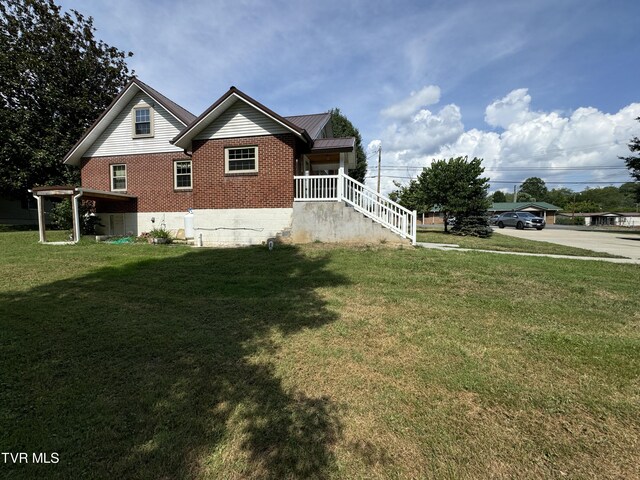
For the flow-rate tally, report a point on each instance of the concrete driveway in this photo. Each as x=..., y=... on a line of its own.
x=627, y=245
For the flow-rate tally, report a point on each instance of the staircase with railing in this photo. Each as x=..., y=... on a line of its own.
x=342, y=188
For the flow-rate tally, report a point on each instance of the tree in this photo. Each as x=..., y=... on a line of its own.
x=535, y=187
x=560, y=196
x=582, y=207
x=458, y=189
x=410, y=196
x=55, y=79
x=499, y=196
x=342, y=127
x=525, y=197
x=633, y=161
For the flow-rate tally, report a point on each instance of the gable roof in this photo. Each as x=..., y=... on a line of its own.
x=181, y=113
x=515, y=206
x=183, y=139
x=313, y=123
x=124, y=96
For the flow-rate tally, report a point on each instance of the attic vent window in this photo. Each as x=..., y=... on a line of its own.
x=143, y=122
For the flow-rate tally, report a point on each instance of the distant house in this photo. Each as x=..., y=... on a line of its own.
x=246, y=173
x=619, y=219
x=22, y=212
x=541, y=209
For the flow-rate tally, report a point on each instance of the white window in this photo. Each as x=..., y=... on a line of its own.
x=182, y=174
x=241, y=159
x=142, y=121
x=118, y=177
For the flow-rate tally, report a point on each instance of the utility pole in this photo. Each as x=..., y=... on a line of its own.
x=379, y=161
x=515, y=193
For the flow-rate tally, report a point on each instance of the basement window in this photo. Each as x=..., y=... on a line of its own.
x=241, y=160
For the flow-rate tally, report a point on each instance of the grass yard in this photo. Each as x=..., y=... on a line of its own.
x=140, y=361
x=507, y=244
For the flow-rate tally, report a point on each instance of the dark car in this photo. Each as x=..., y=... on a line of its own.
x=520, y=220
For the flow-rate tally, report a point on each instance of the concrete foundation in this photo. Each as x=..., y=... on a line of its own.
x=335, y=222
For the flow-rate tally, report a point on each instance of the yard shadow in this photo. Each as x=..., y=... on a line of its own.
x=164, y=369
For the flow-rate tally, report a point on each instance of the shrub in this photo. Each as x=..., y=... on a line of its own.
x=62, y=217
x=569, y=220
x=473, y=225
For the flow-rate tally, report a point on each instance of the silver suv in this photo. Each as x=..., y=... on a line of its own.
x=520, y=220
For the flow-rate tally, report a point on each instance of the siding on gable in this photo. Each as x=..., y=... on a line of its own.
x=117, y=137
x=241, y=120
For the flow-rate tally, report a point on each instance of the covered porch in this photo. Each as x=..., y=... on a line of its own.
x=76, y=195
x=318, y=170
x=322, y=176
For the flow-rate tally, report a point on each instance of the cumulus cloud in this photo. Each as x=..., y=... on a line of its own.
x=428, y=95
x=556, y=147
x=513, y=108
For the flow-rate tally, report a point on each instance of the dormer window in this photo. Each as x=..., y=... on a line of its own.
x=142, y=117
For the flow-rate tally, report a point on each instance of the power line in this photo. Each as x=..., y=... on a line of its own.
x=519, y=181
x=508, y=169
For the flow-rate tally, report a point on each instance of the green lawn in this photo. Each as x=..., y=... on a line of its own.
x=507, y=244
x=164, y=362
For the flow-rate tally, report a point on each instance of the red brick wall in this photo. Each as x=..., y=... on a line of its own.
x=271, y=187
x=149, y=177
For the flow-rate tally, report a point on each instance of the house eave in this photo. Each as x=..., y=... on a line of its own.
x=108, y=115
x=184, y=138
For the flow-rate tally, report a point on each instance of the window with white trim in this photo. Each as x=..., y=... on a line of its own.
x=241, y=159
x=142, y=121
x=182, y=174
x=118, y=177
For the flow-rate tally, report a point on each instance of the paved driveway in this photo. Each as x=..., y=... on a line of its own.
x=627, y=245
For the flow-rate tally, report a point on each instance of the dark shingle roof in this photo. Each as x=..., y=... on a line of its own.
x=313, y=123
x=182, y=113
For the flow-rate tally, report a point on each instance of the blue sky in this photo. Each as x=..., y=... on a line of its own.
x=531, y=86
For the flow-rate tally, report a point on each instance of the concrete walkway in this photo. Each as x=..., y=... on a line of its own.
x=624, y=245
x=449, y=248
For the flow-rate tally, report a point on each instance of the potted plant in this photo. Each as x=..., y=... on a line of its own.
x=159, y=235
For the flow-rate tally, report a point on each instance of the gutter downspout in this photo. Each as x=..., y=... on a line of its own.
x=76, y=215
x=41, y=221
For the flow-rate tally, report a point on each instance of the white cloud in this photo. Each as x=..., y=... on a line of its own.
x=428, y=95
x=514, y=108
x=541, y=144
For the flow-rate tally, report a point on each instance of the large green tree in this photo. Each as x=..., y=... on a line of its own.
x=342, y=127
x=536, y=188
x=458, y=188
x=55, y=80
x=633, y=161
x=499, y=196
x=410, y=196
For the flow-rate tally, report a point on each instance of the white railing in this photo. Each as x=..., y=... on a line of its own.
x=342, y=188
x=317, y=188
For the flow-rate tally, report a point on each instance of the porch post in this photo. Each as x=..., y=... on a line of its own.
x=341, y=178
x=41, y=219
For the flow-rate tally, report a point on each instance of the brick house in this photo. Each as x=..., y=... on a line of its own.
x=246, y=173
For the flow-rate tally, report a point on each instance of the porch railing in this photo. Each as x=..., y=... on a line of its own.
x=342, y=188
x=317, y=188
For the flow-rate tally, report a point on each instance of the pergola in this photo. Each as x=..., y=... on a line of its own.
x=75, y=194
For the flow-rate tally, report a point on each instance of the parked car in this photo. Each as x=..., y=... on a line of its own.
x=493, y=219
x=520, y=220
